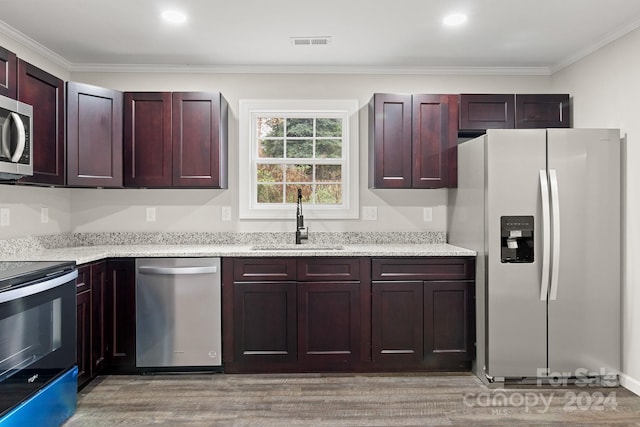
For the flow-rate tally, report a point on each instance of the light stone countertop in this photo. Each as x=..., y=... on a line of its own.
x=86, y=254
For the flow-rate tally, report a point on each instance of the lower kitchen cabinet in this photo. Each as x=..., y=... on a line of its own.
x=264, y=322
x=91, y=339
x=292, y=314
x=348, y=314
x=120, y=315
x=426, y=323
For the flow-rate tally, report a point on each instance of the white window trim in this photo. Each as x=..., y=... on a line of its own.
x=249, y=108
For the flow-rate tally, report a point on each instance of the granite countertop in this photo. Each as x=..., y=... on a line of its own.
x=83, y=250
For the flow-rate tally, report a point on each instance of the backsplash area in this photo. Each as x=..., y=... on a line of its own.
x=20, y=245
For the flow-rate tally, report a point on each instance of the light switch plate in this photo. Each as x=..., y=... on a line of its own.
x=5, y=217
x=225, y=213
x=369, y=213
x=44, y=215
x=427, y=214
x=151, y=214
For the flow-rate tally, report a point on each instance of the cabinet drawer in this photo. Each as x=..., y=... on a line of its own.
x=83, y=283
x=436, y=268
x=323, y=269
x=264, y=269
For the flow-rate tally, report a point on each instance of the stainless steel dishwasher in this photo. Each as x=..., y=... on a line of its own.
x=178, y=312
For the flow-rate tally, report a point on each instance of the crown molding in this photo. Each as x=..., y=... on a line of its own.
x=34, y=46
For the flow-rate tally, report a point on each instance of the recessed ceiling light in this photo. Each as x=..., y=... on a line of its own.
x=454, y=19
x=174, y=16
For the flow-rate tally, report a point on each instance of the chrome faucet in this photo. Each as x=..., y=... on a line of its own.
x=302, y=232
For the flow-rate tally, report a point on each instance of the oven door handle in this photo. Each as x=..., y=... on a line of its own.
x=25, y=291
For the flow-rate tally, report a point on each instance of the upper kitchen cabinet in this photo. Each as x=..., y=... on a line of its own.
x=175, y=139
x=413, y=141
x=8, y=73
x=542, y=111
x=94, y=136
x=479, y=112
x=45, y=93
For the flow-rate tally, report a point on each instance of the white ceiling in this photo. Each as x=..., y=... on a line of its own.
x=527, y=36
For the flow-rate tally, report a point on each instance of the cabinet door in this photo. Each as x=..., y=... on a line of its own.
x=147, y=139
x=328, y=325
x=8, y=73
x=120, y=315
x=397, y=324
x=479, y=112
x=94, y=136
x=448, y=324
x=199, y=140
x=83, y=330
x=542, y=111
x=435, y=141
x=46, y=94
x=98, y=324
x=264, y=325
x=390, y=141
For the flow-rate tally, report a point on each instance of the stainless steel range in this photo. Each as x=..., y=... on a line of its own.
x=38, y=377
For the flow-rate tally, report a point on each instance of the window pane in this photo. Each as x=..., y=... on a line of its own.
x=270, y=173
x=329, y=127
x=300, y=128
x=270, y=149
x=292, y=193
x=326, y=173
x=329, y=194
x=329, y=148
x=269, y=127
x=270, y=193
x=299, y=173
x=300, y=148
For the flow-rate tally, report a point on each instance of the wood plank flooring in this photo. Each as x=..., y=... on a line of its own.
x=344, y=400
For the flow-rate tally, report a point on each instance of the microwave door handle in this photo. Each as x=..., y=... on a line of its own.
x=6, y=138
x=555, y=213
x=21, y=137
x=546, y=235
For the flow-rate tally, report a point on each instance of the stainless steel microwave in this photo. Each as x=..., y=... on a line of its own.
x=16, y=144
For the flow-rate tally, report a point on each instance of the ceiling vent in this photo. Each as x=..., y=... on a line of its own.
x=311, y=41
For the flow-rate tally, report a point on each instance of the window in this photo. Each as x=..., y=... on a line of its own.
x=286, y=145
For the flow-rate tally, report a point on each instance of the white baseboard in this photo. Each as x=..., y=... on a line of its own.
x=631, y=384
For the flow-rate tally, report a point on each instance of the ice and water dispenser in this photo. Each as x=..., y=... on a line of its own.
x=516, y=239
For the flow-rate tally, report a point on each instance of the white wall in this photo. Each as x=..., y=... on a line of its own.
x=606, y=89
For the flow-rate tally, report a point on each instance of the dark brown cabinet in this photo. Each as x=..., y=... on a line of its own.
x=91, y=343
x=83, y=325
x=120, y=316
x=479, y=112
x=8, y=73
x=175, y=139
x=413, y=141
x=94, y=136
x=45, y=93
x=292, y=314
x=423, y=313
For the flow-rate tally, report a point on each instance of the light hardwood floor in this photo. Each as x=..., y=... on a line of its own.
x=344, y=400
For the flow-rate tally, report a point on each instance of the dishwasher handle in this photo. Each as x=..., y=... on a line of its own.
x=174, y=271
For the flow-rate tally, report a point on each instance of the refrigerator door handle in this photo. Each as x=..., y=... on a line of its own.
x=546, y=235
x=555, y=212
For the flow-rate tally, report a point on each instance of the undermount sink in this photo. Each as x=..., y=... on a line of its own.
x=295, y=248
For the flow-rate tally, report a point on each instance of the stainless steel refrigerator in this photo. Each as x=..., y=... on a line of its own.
x=542, y=208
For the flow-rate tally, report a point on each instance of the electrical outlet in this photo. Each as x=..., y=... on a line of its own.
x=5, y=217
x=44, y=215
x=369, y=213
x=151, y=214
x=427, y=214
x=225, y=213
